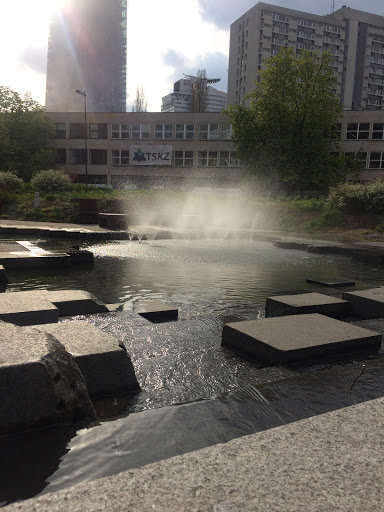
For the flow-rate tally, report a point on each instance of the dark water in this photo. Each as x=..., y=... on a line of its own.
x=194, y=393
x=206, y=276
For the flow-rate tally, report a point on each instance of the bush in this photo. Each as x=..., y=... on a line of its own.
x=358, y=197
x=51, y=182
x=329, y=218
x=35, y=214
x=9, y=182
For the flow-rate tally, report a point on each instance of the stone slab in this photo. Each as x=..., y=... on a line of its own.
x=106, y=367
x=114, y=221
x=76, y=302
x=367, y=303
x=156, y=311
x=42, y=306
x=28, y=260
x=3, y=279
x=331, y=462
x=27, y=308
x=305, y=303
x=296, y=337
x=81, y=256
x=331, y=283
x=40, y=383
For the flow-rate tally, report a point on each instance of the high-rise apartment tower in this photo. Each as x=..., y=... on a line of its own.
x=87, y=51
x=354, y=38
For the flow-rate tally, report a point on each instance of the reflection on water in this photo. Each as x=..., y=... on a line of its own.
x=211, y=282
x=210, y=276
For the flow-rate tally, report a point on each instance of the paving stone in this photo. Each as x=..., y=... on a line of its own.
x=296, y=337
x=367, y=303
x=27, y=308
x=323, y=463
x=40, y=383
x=331, y=283
x=305, y=303
x=76, y=302
x=156, y=311
x=106, y=367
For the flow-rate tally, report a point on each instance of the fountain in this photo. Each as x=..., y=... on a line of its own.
x=194, y=392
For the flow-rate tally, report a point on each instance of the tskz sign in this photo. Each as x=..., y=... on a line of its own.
x=150, y=155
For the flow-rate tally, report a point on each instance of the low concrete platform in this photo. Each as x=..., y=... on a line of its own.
x=43, y=306
x=293, y=338
x=40, y=383
x=157, y=311
x=331, y=283
x=367, y=303
x=114, y=221
x=3, y=279
x=305, y=303
x=76, y=302
x=27, y=308
x=106, y=367
x=333, y=462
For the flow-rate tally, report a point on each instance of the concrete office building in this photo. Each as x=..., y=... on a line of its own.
x=146, y=149
x=354, y=38
x=87, y=52
x=181, y=150
x=180, y=99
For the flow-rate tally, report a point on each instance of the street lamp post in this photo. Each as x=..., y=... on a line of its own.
x=83, y=93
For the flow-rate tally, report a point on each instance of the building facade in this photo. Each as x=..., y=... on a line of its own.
x=354, y=38
x=180, y=99
x=182, y=150
x=146, y=150
x=87, y=52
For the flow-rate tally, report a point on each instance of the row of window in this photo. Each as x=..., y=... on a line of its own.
x=374, y=160
x=365, y=131
x=302, y=21
x=121, y=157
x=211, y=131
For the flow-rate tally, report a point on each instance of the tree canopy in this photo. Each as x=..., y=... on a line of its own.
x=140, y=104
x=199, y=92
x=25, y=130
x=285, y=135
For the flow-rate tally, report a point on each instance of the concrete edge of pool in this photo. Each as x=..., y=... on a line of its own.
x=327, y=462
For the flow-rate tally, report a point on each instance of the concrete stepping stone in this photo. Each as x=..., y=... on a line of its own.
x=296, y=337
x=27, y=308
x=42, y=306
x=106, y=367
x=331, y=283
x=76, y=302
x=40, y=383
x=3, y=279
x=367, y=303
x=156, y=311
x=305, y=303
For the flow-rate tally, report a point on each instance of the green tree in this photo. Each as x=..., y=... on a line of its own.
x=284, y=136
x=25, y=130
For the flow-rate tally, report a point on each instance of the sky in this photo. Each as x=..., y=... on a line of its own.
x=165, y=39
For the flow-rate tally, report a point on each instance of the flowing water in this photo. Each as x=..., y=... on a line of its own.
x=194, y=393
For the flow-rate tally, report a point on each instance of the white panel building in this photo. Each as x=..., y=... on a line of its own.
x=354, y=38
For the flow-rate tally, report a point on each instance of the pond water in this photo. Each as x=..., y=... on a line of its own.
x=208, y=276
x=194, y=393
